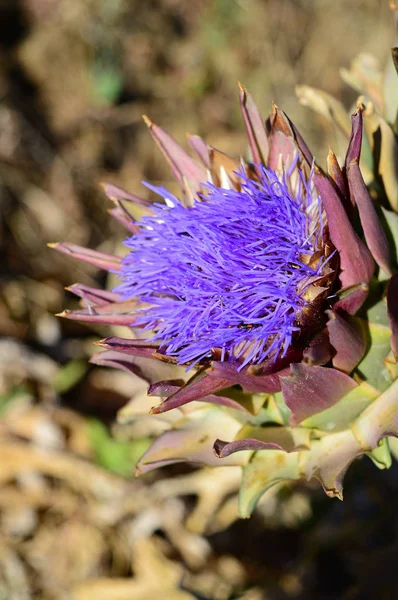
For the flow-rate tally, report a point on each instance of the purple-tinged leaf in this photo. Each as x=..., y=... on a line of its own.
x=302, y=146
x=115, y=313
x=146, y=367
x=392, y=307
x=162, y=389
x=374, y=234
x=281, y=141
x=318, y=351
x=255, y=127
x=275, y=367
x=90, y=316
x=224, y=449
x=355, y=143
x=182, y=165
x=167, y=388
x=128, y=345
x=149, y=371
x=124, y=307
x=141, y=347
x=285, y=142
x=309, y=390
x=133, y=347
x=199, y=386
x=116, y=193
x=250, y=383
x=127, y=222
x=338, y=178
x=224, y=401
x=201, y=148
x=91, y=295
x=109, y=358
x=109, y=262
x=351, y=299
x=356, y=262
x=347, y=337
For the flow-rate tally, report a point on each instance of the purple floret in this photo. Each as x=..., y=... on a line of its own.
x=224, y=273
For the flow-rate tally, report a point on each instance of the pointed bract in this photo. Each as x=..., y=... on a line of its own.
x=309, y=390
x=182, y=165
x=356, y=263
x=347, y=337
x=375, y=237
x=199, y=386
x=255, y=127
x=109, y=262
x=93, y=296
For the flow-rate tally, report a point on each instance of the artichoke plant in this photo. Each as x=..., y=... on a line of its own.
x=261, y=306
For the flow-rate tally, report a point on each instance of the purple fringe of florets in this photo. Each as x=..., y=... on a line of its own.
x=225, y=273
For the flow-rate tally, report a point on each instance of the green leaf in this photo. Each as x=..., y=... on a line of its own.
x=381, y=456
x=17, y=392
x=269, y=413
x=373, y=367
x=283, y=409
x=117, y=456
x=377, y=314
x=69, y=375
x=265, y=469
x=107, y=82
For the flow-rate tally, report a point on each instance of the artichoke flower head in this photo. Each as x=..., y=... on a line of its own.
x=251, y=288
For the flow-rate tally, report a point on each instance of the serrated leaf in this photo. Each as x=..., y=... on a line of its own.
x=265, y=469
x=192, y=441
x=381, y=456
x=329, y=459
x=379, y=420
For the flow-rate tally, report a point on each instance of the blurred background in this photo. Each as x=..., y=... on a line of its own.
x=75, y=78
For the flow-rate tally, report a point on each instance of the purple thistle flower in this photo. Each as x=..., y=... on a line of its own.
x=236, y=278
x=228, y=274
